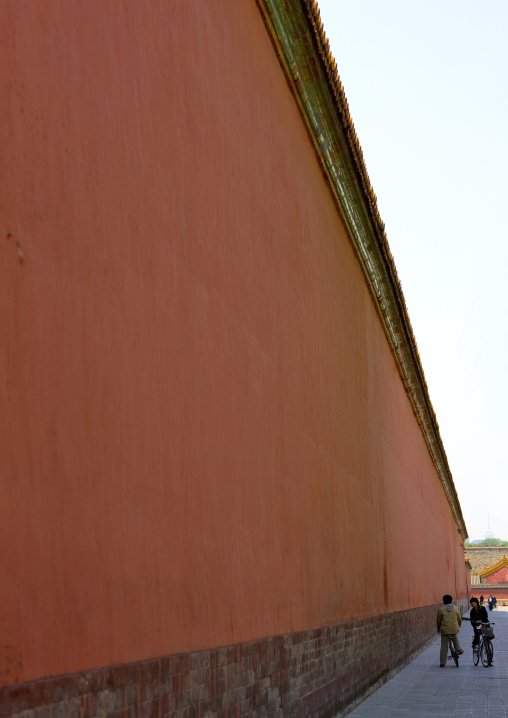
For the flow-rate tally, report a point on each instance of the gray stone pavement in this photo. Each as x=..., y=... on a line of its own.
x=423, y=689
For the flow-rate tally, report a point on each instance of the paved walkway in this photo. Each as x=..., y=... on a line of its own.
x=424, y=690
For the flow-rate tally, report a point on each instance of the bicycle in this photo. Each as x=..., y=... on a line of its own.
x=484, y=649
x=454, y=654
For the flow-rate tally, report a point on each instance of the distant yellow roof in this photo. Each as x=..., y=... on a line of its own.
x=488, y=570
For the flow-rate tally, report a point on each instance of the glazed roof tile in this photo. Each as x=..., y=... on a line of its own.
x=300, y=41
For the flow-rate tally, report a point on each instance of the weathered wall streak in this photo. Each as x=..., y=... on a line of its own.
x=204, y=437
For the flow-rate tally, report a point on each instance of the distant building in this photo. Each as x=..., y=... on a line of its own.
x=489, y=533
x=489, y=567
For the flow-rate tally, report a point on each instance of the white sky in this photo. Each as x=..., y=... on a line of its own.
x=427, y=87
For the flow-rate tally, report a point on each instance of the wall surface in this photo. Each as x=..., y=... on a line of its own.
x=500, y=576
x=321, y=672
x=204, y=438
x=500, y=591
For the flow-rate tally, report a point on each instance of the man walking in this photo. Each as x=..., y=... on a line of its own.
x=448, y=622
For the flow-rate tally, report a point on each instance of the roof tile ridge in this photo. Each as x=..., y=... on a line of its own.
x=311, y=9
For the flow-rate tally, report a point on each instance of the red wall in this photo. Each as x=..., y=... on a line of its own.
x=204, y=437
x=499, y=593
x=500, y=576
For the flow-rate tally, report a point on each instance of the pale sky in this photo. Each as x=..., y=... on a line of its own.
x=427, y=85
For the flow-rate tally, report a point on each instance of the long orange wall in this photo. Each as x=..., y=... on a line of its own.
x=203, y=435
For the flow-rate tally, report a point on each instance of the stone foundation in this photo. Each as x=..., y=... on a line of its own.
x=321, y=673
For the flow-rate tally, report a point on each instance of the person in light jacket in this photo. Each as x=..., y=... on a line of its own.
x=448, y=622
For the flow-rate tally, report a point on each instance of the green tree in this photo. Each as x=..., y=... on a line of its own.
x=487, y=542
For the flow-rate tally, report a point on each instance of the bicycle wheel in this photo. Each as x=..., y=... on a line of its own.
x=455, y=657
x=487, y=652
x=476, y=655
x=490, y=650
x=453, y=652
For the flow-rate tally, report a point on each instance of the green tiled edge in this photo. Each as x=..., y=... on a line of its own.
x=299, y=41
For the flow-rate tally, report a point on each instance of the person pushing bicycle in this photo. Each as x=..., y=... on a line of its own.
x=477, y=614
x=448, y=622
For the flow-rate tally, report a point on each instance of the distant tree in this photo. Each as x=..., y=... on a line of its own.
x=486, y=542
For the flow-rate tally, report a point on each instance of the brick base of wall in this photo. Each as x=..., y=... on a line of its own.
x=319, y=673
